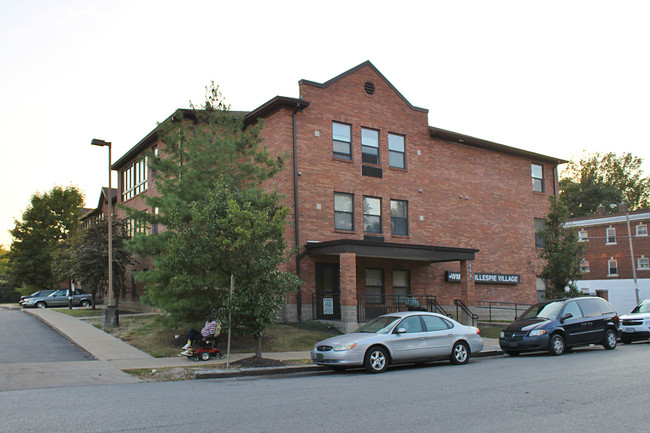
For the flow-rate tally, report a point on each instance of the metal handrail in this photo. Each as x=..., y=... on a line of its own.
x=460, y=304
x=437, y=308
x=498, y=305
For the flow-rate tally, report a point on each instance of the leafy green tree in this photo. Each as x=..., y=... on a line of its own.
x=50, y=218
x=562, y=253
x=230, y=232
x=84, y=258
x=601, y=179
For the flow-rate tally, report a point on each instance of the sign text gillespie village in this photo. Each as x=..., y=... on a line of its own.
x=454, y=277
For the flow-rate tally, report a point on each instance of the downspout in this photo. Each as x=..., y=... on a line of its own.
x=295, y=212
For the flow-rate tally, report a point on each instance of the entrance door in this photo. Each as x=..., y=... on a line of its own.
x=328, y=291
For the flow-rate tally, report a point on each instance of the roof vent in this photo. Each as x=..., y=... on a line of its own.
x=369, y=87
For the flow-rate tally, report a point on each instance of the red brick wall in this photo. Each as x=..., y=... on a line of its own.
x=598, y=252
x=497, y=217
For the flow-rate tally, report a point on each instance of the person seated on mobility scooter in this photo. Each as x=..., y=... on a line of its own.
x=208, y=334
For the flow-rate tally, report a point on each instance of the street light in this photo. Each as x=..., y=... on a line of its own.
x=623, y=207
x=110, y=318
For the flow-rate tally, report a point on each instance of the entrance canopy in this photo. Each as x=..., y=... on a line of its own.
x=390, y=250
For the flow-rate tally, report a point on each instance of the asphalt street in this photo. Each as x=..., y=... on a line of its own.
x=586, y=390
x=25, y=339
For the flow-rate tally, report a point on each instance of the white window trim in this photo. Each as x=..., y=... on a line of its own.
x=585, y=263
x=583, y=236
x=607, y=242
x=609, y=267
x=638, y=264
x=642, y=234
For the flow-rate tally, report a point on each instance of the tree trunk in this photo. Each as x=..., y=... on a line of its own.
x=258, y=346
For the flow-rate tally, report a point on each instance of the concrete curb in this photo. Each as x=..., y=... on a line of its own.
x=312, y=368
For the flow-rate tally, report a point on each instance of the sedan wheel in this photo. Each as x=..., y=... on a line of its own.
x=41, y=304
x=556, y=345
x=376, y=360
x=85, y=303
x=459, y=354
x=610, y=340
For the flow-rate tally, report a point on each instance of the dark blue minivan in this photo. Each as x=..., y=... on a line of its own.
x=559, y=324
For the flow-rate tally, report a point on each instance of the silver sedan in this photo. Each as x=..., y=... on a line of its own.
x=399, y=338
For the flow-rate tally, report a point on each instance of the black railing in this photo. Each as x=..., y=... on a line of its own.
x=435, y=307
x=465, y=309
x=372, y=306
x=502, y=311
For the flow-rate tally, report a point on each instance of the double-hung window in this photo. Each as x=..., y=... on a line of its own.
x=539, y=226
x=611, y=235
x=372, y=214
x=612, y=267
x=343, y=211
x=401, y=289
x=641, y=230
x=537, y=173
x=396, y=151
x=399, y=213
x=341, y=140
x=369, y=146
x=643, y=263
x=374, y=286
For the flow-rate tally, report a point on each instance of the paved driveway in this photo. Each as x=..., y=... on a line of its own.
x=25, y=339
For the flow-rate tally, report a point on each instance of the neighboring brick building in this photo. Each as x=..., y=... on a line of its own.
x=91, y=216
x=386, y=206
x=607, y=261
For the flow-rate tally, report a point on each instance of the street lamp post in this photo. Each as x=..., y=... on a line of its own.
x=110, y=317
x=623, y=207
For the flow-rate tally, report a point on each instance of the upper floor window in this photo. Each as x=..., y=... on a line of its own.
x=372, y=215
x=537, y=172
x=611, y=235
x=399, y=213
x=583, y=236
x=341, y=140
x=135, y=179
x=343, y=211
x=642, y=263
x=369, y=146
x=396, y=151
x=641, y=230
x=612, y=267
x=539, y=226
x=584, y=266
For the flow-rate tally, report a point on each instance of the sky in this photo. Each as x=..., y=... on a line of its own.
x=552, y=77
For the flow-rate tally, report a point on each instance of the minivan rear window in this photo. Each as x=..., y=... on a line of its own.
x=595, y=307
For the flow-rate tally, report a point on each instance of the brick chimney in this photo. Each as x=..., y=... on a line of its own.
x=600, y=210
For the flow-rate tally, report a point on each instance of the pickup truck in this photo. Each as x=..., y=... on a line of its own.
x=59, y=298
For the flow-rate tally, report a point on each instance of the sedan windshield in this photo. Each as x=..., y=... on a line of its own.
x=543, y=311
x=643, y=307
x=381, y=325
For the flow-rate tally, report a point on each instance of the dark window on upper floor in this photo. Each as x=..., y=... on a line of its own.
x=341, y=140
x=539, y=226
x=396, y=151
x=370, y=146
x=537, y=173
x=372, y=214
x=399, y=217
x=343, y=211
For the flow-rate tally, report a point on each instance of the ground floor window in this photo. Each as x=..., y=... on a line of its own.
x=401, y=285
x=374, y=286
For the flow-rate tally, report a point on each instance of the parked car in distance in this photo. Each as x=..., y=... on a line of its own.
x=399, y=338
x=559, y=324
x=35, y=294
x=59, y=298
x=636, y=325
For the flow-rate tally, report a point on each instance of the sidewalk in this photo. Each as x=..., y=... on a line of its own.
x=105, y=347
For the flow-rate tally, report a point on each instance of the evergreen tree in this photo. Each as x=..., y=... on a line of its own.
x=562, y=253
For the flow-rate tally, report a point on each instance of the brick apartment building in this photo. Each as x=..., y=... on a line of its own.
x=607, y=260
x=386, y=206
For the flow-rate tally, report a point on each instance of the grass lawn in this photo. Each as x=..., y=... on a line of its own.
x=86, y=312
x=152, y=335
x=491, y=331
